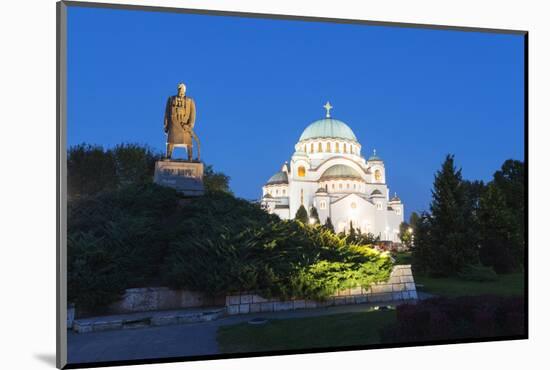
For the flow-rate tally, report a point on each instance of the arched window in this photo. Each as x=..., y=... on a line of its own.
x=333, y=186
x=328, y=148
x=345, y=148
x=320, y=148
x=337, y=148
x=377, y=175
x=340, y=186
x=311, y=148
x=347, y=185
x=301, y=171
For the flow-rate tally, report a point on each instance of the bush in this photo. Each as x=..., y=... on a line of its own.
x=478, y=273
x=457, y=318
x=145, y=235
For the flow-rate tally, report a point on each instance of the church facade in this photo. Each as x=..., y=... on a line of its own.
x=328, y=172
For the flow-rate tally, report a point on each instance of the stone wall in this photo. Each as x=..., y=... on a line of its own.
x=162, y=298
x=399, y=287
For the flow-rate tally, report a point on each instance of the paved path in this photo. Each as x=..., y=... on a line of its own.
x=172, y=341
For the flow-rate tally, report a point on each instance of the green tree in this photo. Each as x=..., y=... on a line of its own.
x=413, y=219
x=215, y=181
x=328, y=225
x=453, y=246
x=135, y=164
x=352, y=235
x=422, y=253
x=501, y=245
x=510, y=179
x=314, y=215
x=301, y=215
x=90, y=170
x=405, y=235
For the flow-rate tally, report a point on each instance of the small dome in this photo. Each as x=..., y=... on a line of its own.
x=321, y=190
x=328, y=128
x=374, y=157
x=376, y=192
x=268, y=196
x=340, y=171
x=395, y=199
x=278, y=178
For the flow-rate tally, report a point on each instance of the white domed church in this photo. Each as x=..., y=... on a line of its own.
x=328, y=172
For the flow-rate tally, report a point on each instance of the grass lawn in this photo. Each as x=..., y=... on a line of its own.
x=346, y=329
x=506, y=285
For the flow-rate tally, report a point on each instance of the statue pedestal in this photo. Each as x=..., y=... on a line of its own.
x=185, y=177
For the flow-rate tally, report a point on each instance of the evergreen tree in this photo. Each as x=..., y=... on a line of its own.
x=328, y=224
x=413, y=219
x=352, y=236
x=301, y=215
x=422, y=253
x=314, y=215
x=510, y=179
x=501, y=245
x=453, y=246
x=405, y=235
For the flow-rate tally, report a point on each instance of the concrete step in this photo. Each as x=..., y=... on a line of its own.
x=145, y=319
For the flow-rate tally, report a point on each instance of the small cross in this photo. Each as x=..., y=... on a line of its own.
x=374, y=152
x=328, y=107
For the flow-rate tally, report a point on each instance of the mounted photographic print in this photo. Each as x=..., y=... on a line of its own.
x=236, y=185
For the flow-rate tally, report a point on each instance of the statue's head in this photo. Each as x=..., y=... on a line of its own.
x=181, y=89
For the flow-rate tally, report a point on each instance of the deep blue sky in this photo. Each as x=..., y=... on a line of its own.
x=413, y=94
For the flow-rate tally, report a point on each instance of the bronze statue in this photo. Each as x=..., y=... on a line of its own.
x=179, y=121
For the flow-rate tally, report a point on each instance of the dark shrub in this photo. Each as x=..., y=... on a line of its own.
x=457, y=318
x=478, y=273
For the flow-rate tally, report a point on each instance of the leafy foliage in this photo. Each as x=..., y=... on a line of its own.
x=143, y=235
x=92, y=169
x=215, y=181
x=501, y=242
x=328, y=225
x=301, y=215
x=451, y=244
x=472, y=222
x=314, y=215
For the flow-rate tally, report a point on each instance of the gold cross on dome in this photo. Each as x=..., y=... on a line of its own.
x=328, y=107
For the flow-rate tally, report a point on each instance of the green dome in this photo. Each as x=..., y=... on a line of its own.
x=328, y=127
x=340, y=171
x=278, y=178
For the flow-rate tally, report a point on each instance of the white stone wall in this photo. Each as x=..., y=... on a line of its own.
x=399, y=287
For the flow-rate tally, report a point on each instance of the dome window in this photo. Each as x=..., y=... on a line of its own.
x=301, y=171
x=377, y=175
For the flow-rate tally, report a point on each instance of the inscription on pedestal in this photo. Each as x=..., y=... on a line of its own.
x=185, y=177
